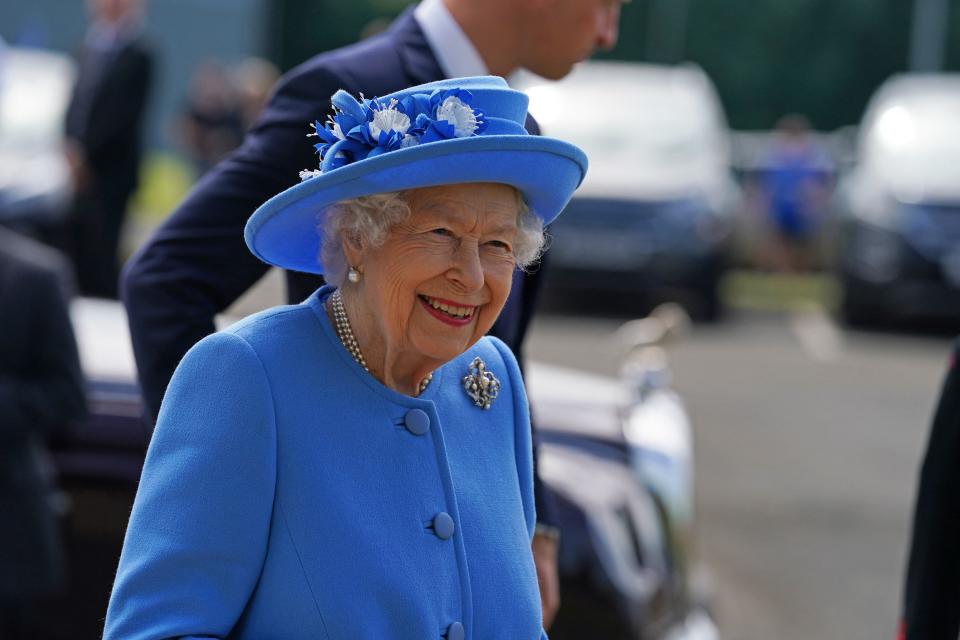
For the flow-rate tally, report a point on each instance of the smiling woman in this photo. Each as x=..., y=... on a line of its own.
x=433, y=255
x=343, y=468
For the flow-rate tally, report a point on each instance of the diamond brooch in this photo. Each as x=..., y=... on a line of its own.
x=481, y=385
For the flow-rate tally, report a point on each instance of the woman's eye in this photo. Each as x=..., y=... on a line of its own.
x=499, y=244
x=440, y=231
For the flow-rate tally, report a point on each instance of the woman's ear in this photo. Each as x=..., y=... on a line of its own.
x=352, y=249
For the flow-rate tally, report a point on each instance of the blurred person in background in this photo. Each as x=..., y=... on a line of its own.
x=196, y=264
x=794, y=186
x=254, y=78
x=41, y=389
x=932, y=585
x=103, y=145
x=212, y=122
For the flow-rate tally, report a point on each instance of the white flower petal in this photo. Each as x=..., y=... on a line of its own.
x=388, y=120
x=460, y=115
x=306, y=174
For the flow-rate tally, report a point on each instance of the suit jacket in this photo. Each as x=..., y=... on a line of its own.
x=106, y=110
x=196, y=265
x=932, y=590
x=288, y=494
x=41, y=388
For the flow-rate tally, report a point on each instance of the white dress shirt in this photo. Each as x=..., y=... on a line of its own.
x=454, y=51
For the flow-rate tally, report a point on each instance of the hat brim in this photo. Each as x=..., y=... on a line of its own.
x=286, y=230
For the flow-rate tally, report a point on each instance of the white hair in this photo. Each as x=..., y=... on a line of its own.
x=368, y=219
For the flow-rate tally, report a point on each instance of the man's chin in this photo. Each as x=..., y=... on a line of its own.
x=556, y=71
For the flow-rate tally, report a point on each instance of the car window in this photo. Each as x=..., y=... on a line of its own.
x=34, y=87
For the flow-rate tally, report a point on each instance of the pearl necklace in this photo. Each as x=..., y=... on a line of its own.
x=345, y=333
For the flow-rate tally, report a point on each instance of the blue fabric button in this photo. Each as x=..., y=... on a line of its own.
x=417, y=422
x=443, y=525
x=455, y=631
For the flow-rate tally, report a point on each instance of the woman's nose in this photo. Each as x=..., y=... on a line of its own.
x=467, y=270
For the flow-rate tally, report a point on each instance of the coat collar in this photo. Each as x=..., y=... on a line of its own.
x=416, y=56
x=316, y=302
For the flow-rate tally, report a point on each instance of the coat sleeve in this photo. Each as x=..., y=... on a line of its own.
x=45, y=398
x=198, y=532
x=196, y=264
x=522, y=438
x=932, y=588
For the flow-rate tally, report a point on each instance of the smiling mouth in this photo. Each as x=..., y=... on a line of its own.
x=449, y=309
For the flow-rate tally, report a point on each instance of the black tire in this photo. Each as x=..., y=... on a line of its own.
x=856, y=310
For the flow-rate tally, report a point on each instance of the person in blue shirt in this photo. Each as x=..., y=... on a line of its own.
x=796, y=181
x=359, y=465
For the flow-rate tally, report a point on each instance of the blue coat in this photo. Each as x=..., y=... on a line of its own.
x=288, y=494
x=197, y=263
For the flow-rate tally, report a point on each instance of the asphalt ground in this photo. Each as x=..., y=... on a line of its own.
x=808, y=440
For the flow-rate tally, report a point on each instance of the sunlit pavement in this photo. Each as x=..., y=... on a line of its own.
x=808, y=440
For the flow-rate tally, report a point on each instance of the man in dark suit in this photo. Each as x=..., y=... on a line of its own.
x=932, y=589
x=197, y=264
x=41, y=388
x=103, y=139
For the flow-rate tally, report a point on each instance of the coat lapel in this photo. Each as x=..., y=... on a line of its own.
x=416, y=56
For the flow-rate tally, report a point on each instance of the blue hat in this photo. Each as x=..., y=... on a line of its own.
x=447, y=132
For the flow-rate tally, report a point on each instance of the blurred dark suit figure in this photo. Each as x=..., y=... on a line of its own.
x=932, y=590
x=41, y=389
x=103, y=145
x=211, y=124
x=196, y=265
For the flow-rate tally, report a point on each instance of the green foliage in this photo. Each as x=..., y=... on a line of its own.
x=303, y=28
x=822, y=58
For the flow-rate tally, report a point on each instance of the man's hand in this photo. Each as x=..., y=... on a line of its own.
x=77, y=163
x=545, y=557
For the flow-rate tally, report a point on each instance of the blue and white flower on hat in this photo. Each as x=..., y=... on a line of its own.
x=360, y=129
x=388, y=124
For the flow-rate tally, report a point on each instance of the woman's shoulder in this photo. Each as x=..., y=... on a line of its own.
x=491, y=346
x=261, y=332
x=274, y=323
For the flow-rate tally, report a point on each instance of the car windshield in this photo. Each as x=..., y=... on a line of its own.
x=661, y=127
x=669, y=126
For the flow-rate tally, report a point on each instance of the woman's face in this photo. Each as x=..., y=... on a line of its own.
x=442, y=276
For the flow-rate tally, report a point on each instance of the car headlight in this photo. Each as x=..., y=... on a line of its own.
x=874, y=254
x=924, y=233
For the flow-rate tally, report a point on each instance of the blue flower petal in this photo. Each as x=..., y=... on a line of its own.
x=349, y=105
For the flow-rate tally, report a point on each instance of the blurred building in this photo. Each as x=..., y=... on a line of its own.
x=183, y=33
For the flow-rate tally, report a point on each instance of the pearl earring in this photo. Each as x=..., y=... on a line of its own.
x=353, y=275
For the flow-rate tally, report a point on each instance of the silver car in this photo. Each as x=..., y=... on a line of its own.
x=654, y=218
x=899, y=208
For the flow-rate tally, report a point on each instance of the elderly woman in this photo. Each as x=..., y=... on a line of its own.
x=359, y=465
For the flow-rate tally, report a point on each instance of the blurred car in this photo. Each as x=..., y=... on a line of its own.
x=617, y=454
x=35, y=186
x=654, y=217
x=898, y=235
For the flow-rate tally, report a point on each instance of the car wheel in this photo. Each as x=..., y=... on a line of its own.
x=856, y=310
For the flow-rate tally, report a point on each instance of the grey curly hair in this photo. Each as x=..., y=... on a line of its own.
x=370, y=218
